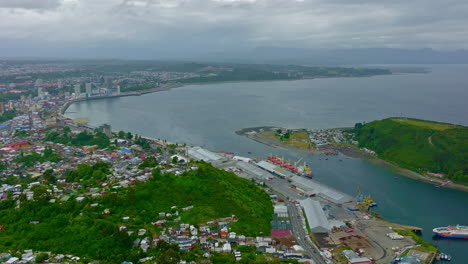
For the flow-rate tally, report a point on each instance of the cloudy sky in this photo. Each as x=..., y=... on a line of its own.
x=126, y=27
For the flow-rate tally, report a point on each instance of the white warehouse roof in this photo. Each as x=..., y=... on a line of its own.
x=316, y=218
x=322, y=190
x=199, y=153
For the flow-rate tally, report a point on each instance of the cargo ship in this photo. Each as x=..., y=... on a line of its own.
x=303, y=170
x=457, y=231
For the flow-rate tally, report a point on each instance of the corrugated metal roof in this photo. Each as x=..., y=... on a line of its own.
x=280, y=233
x=274, y=169
x=203, y=154
x=316, y=218
x=280, y=208
x=266, y=165
x=280, y=224
x=325, y=191
x=252, y=169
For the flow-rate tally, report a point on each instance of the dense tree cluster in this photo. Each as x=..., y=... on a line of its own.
x=82, y=139
x=148, y=162
x=31, y=158
x=124, y=135
x=142, y=142
x=7, y=115
x=88, y=175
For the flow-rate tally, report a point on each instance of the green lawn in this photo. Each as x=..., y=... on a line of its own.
x=425, y=123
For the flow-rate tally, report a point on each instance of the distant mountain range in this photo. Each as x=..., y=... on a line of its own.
x=277, y=55
x=269, y=55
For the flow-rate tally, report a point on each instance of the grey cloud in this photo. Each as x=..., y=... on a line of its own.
x=229, y=25
x=29, y=4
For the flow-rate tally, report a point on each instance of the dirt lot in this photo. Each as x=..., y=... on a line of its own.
x=357, y=240
x=369, y=236
x=323, y=240
x=288, y=241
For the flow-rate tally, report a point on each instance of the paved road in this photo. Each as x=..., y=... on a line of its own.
x=300, y=233
x=280, y=188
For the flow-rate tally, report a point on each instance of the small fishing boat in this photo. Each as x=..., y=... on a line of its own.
x=442, y=184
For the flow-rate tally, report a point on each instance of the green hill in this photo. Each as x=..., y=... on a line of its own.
x=78, y=228
x=418, y=145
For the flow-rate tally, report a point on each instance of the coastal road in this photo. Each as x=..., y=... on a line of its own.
x=300, y=233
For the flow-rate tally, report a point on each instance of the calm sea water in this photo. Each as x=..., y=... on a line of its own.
x=208, y=115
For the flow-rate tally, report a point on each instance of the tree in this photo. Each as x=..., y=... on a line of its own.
x=131, y=196
x=129, y=135
x=121, y=134
x=49, y=176
x=162, y=245
x=175, y=159
x=459, y=176
x=223, y=258
x=7, y=115
x=49, y=155
x=169, y=252
x=156, y=173
x=169, y=256
x=358, y=126
x=149, y=162
x=172, y=148
x=66, y=130
x=3, y=166
x=41, y=195
x=142, y=142
x=41, y=257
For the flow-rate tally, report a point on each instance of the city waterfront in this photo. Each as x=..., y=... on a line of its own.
x=208, y=115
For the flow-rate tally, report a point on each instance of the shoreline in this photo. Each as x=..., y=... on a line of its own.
x=347, y=150
x=178, y=84
x=67, y=104
x=414, y=175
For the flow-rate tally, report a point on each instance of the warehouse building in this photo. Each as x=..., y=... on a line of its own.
x=272, y=168
x=315, y=215
x=198, y=153
x=321, y=190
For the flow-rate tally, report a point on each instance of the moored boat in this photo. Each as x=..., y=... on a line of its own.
x=457, y=231
x=442, y=184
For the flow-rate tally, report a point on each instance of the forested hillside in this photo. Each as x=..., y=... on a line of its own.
x=418, y=145
x=83, y=229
